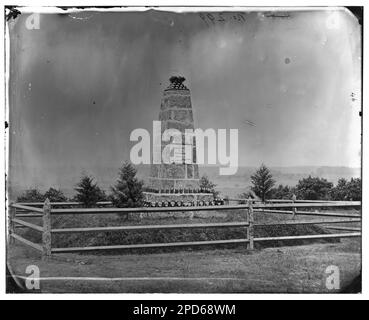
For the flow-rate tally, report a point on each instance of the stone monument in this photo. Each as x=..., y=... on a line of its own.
x=177, y=183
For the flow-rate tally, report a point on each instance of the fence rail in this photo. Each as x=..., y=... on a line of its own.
x=203, y=208
x=343, y=228
x=307, y=222
x=151, y=245
x=311, y=237
x=308, y=213
x=30, y=210
x=27, y=242
x=64, y=204
x=28, y=225
x=240, y=200
x=26, y=207
x=153, y=227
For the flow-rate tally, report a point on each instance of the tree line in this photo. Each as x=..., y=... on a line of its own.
x=310, y=188
x=128, y=190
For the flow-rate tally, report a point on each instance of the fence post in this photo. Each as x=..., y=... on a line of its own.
x=226, y=201
x=46, y=234
x=12, y=213
x=293, y=208
x=251, y=223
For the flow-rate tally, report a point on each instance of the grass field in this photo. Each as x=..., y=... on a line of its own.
x=273, y=267
x=299, y=269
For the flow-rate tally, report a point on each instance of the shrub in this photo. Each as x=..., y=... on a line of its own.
x=55, y=195
x=208, y=186
x=347, y=190
x=31, y=195
x=314, y=189
x=354, y=189
x=282, y=192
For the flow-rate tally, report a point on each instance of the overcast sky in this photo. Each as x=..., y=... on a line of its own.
x=81, y=83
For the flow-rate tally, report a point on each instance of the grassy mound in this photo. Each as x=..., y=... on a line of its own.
x=173, y=235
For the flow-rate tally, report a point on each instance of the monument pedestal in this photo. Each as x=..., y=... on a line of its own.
x=153, y=199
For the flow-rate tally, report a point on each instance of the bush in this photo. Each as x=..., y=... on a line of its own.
x=282, y=192
x=31, y=195
x=34, y=195
x=88, y=192
x=347, y=190
x=354, y=190
x=208, y=186
x=314, y=189
x=55, y=195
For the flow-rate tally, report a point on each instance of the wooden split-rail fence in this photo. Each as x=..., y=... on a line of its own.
x=45, y=211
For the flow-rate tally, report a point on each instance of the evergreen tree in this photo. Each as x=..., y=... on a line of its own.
x=88, y=192
x=262, y=182
x=127, y=192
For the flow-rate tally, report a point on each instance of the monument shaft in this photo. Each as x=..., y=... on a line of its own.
x=176, y=113
x=177, y=183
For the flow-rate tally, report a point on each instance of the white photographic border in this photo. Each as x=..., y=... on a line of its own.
x=48, y=6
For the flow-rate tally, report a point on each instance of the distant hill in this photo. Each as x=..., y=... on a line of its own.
x=227, y=185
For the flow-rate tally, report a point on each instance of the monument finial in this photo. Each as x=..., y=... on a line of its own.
x=176, y=82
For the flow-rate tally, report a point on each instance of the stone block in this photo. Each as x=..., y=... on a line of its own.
x=182, y=115
x=165, y=115
x=173, y=171
x=196, y=172
x=155, y=169
x=177, y=101
x=181, y=126
x=187, y=184
x=189, y=171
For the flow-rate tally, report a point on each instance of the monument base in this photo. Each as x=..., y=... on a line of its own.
x=153, y=199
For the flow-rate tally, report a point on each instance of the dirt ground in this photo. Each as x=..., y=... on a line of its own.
x=298, y=269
